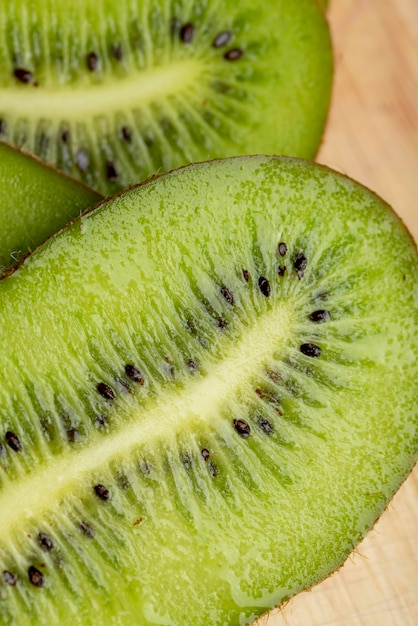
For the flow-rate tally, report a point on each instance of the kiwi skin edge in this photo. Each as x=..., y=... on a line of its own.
x=35, y=201
x=336, y=415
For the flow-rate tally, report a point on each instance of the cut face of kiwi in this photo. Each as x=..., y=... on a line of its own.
x=35, y=201
x=208, y=396
x=113, y=92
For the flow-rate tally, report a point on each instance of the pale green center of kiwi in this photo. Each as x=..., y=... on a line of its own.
x=202, y=400
x=87, y=99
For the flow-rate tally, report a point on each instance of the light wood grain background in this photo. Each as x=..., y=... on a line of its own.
x=372, y=136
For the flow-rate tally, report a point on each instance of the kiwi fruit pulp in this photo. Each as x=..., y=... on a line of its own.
x=35, y=202
x=208, y=396
x=113, y=92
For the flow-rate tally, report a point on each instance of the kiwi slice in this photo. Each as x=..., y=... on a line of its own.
x=35, y=201
x=113, y=92
x=208, y=396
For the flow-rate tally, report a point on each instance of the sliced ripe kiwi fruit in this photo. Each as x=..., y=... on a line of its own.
x=35, y=201
x=113, y=92
x=208, y=396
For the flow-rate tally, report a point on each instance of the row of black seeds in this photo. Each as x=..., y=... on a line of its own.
x=308, y=349
x=300, y=263
x=108, y=393
x=242, y=426
x=186, y=35
x=35, y=577
x=132, y=373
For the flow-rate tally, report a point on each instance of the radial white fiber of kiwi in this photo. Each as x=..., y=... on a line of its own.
x=208, y=396
x=113, y=92
x=35, y=202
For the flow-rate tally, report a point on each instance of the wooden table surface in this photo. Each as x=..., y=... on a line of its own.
x=372, y=136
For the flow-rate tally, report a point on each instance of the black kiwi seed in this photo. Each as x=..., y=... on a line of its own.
x=35, y=576
x=65, y=136
x=87, y=530
x=13, y=441
x=227, y=294
x=106, y=391
x=222, y=39
x=246, y=275
x=282, y=247
x=234, y=54
x=117, y=52
x=111, y=172
x=102, y=492
x=265, y=425
x=187, y=33
x=9, y=578
x=23, y=75
x=45, y=542
x=2, y=127
x=264, y=286
x=310, y=349
x=134, y=374
x=92, y=61
x=126, y=134
x=281, y=270
x=322, y=315
x=242, y=428
x=205, y=454
x=300, y=263
x=82, y=159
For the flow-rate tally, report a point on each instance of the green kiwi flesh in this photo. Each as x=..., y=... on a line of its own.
x=113, y=92
x=208, y=396
x=35, y=201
